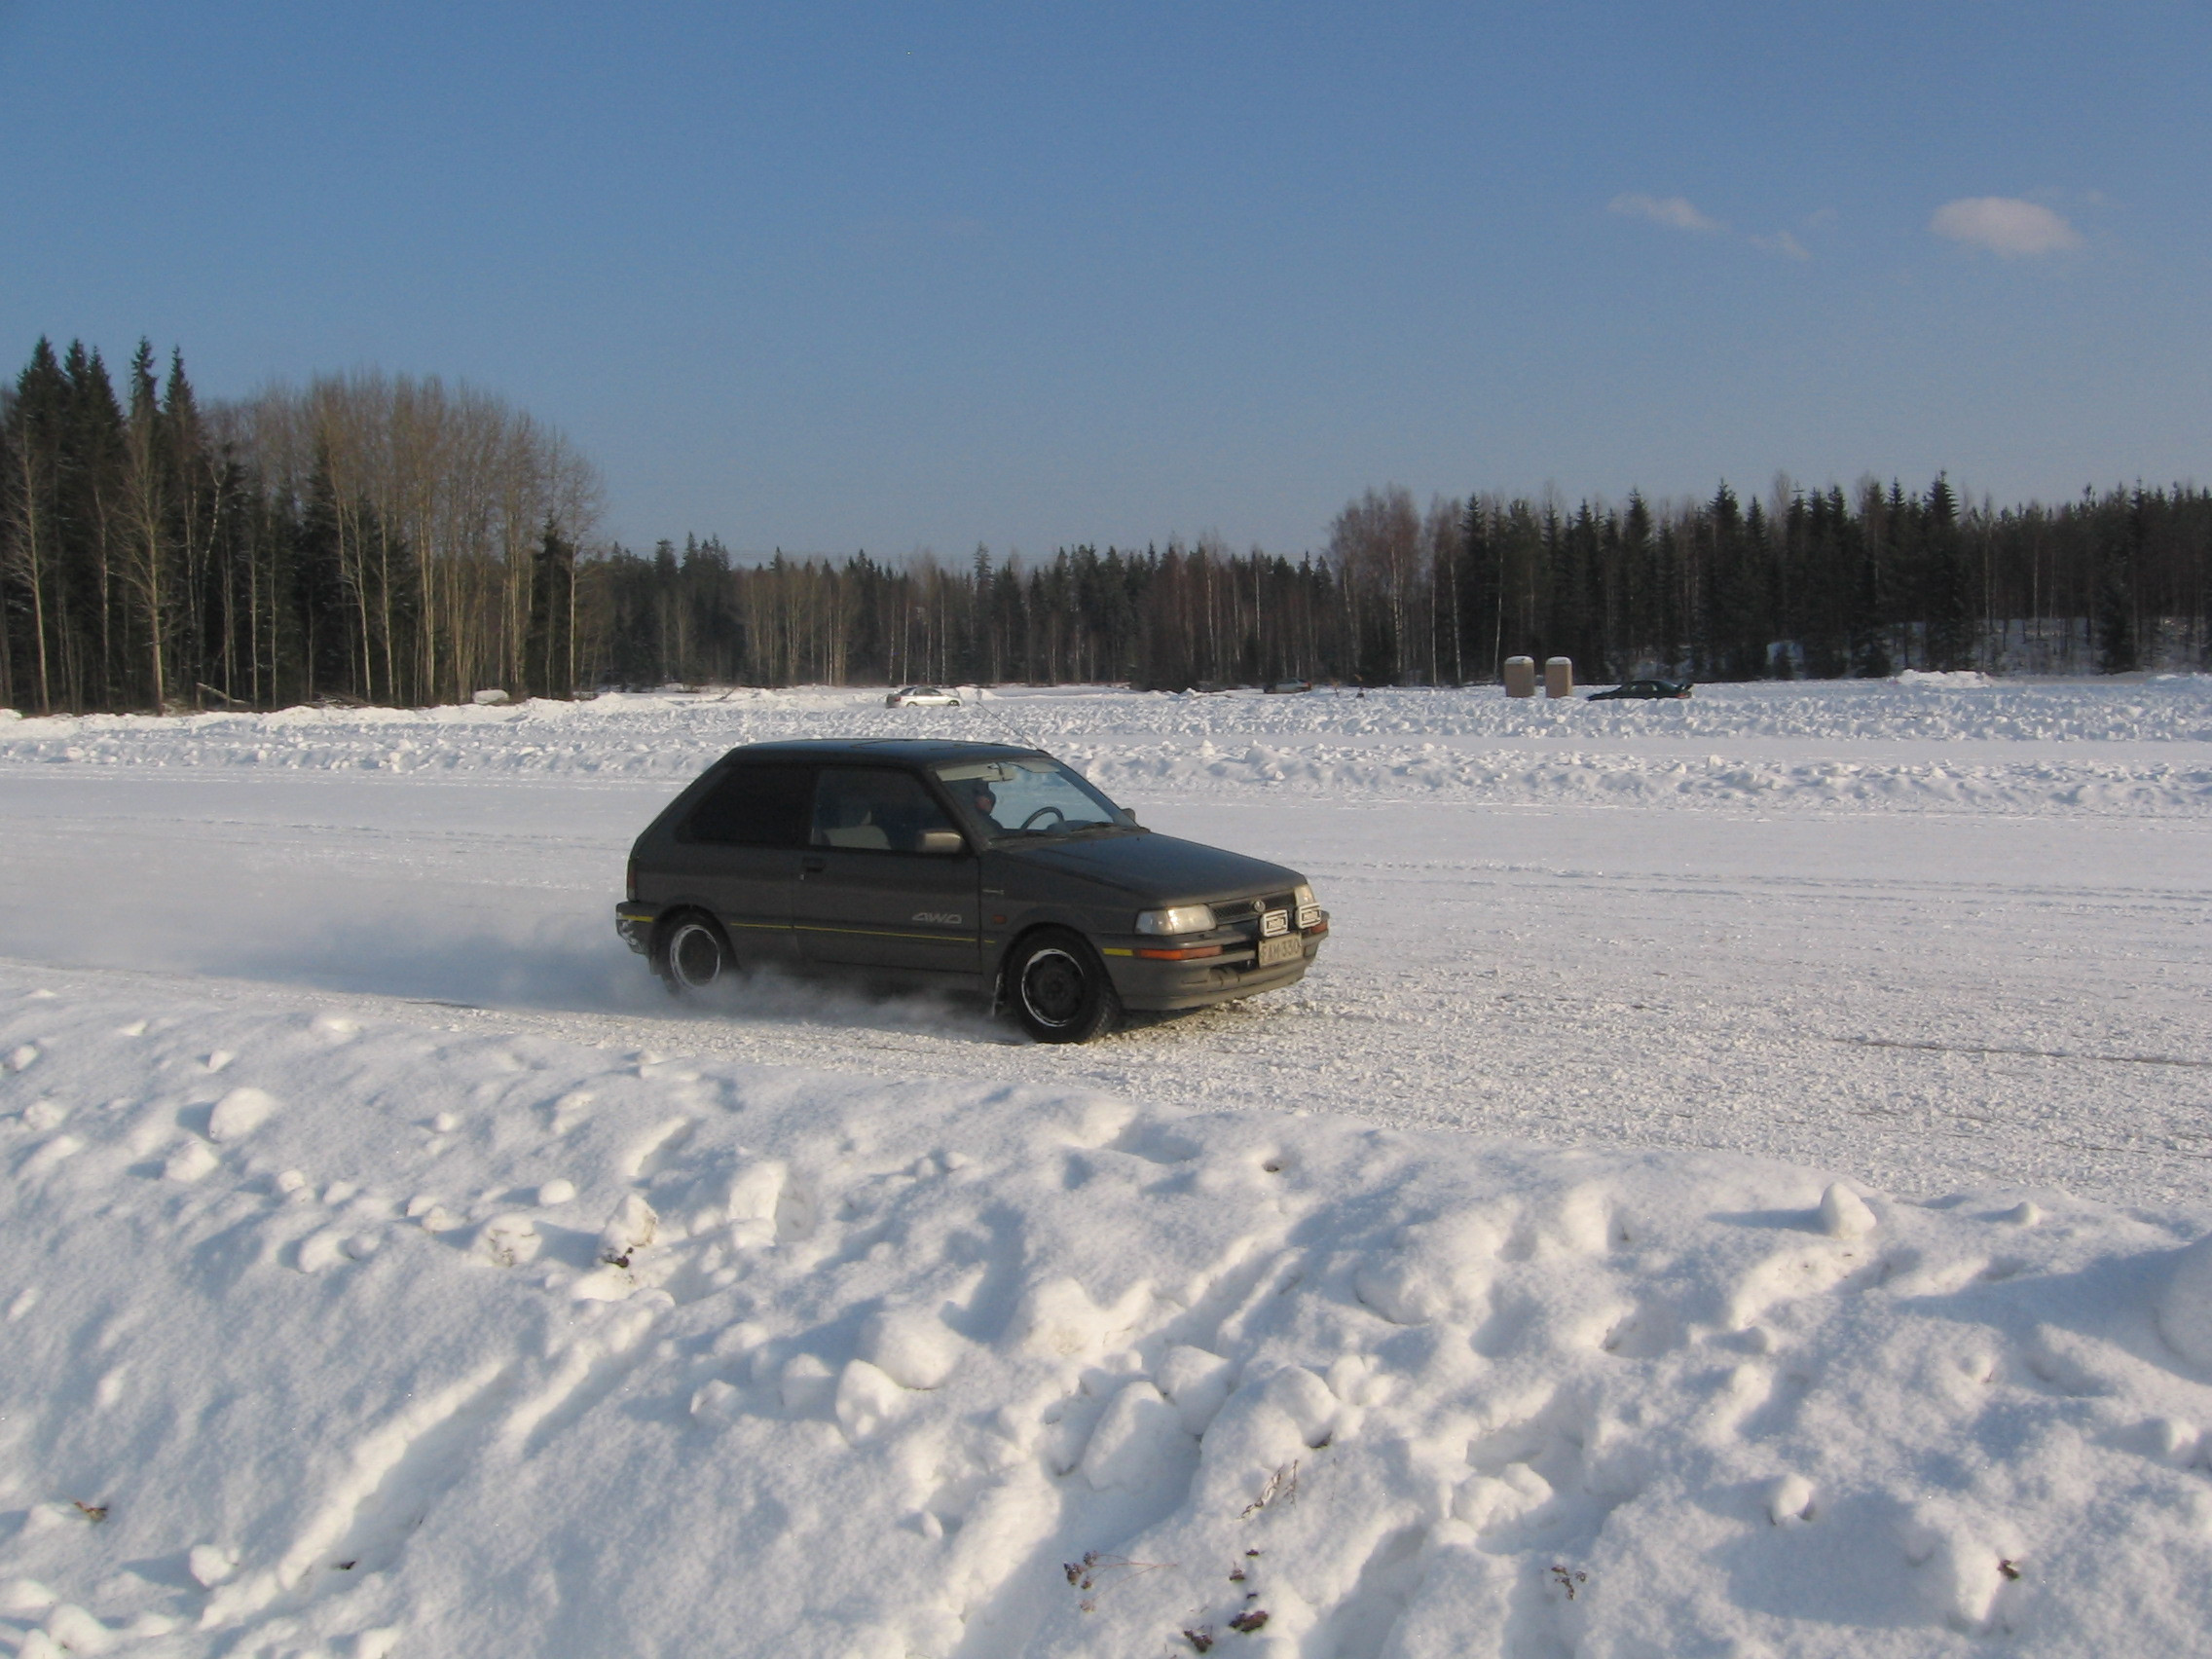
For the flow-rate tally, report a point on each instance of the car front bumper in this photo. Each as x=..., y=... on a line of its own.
x=1153, y=985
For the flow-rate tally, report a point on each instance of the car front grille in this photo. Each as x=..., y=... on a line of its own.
x=1230, y=912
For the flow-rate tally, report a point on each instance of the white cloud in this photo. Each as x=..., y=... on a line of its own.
x=1680, y=213
x=2005, y=225
x=1675, y=210
x=1784, y=244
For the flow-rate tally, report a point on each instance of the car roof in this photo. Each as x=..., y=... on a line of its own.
x=907, y=750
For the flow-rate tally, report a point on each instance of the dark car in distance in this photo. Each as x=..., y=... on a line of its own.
x=1646, y=689
x=970, y=865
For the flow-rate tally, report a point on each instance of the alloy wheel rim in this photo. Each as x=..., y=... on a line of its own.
x=695, y=957
x=1051, y=987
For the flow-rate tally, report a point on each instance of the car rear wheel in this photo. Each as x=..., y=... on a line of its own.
x=1058, y=989
x=692, y=955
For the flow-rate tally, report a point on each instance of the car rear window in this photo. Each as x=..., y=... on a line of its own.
x=754, y=806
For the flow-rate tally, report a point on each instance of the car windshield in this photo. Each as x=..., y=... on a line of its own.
x=1029, y=796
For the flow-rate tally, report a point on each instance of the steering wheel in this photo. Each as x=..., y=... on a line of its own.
x=1030, y=823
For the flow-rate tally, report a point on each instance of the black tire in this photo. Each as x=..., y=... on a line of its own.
x=691, y=954
x=1058, y=989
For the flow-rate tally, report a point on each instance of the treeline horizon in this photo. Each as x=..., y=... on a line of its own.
x=370, y=537
x=392, y=539
x=1810, y=584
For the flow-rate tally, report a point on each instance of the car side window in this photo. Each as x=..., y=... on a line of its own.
x=871, y=810
x=753, y=806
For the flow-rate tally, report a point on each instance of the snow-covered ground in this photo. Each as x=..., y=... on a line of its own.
x=1730, y=1187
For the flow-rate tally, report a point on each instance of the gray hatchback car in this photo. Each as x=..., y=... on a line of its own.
x=972, y=866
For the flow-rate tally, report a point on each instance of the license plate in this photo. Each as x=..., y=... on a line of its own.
x=1274, y=952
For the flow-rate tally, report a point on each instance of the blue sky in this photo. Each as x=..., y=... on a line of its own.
x=827, y=277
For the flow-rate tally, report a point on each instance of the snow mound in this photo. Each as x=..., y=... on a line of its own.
x=2026, y=746
x=801, y=1363
x=239, y=1112
x=1943, y=679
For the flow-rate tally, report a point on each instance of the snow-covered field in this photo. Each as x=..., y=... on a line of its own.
x=1730, y=1187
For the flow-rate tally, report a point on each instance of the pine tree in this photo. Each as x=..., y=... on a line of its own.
x=146, y=503
x=1482, y=592
x=89, y=521
x=548, y=653
x=193, y=503
x=2119, y=542
x=1637, y=630
x=1945, y=600
x=1731, y=645
x=318, y=573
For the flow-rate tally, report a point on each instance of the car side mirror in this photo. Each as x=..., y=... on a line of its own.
x=941, y=844
x=1131, y=813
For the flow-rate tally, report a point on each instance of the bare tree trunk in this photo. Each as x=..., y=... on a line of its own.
x=145, y=561
x=28, y=547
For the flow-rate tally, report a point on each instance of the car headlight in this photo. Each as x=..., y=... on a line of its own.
x=1308, y=912
x=1176, y=919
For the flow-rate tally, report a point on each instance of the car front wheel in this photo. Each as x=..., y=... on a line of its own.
x=692, y=956
x=1058, y=989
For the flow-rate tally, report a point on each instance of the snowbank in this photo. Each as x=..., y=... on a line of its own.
x=2013, y=747
x=332, y=1335
x=1954, y=679
x=1571, y=776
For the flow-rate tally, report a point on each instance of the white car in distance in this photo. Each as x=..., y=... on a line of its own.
x=921, y=697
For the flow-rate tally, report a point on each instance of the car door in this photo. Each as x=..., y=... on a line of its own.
x=738, y=853
x=869, y=894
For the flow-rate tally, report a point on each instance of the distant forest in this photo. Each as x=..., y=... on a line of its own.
x=392, y=539
x=371, y=539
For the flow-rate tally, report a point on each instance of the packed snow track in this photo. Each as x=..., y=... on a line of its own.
x=1732, y=1185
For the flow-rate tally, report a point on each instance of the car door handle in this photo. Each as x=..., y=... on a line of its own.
x=812, y=866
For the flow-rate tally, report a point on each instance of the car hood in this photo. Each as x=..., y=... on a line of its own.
x=1156, y=866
